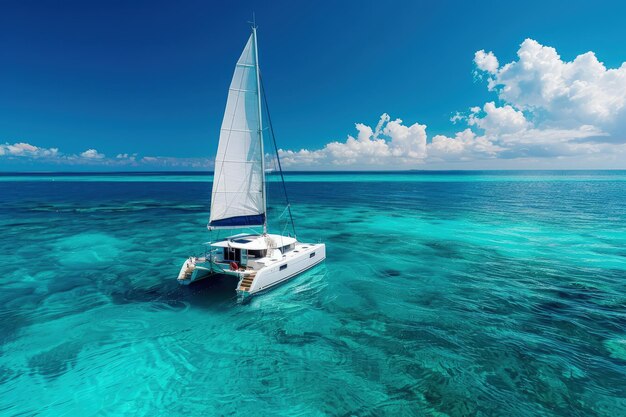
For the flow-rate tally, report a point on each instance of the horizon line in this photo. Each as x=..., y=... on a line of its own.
x=196, y=172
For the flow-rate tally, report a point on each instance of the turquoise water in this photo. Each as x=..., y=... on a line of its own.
x=445, y=294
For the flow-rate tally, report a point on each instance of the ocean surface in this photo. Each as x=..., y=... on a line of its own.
x=443, y=294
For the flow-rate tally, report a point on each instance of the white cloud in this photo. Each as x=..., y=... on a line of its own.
x=390, y=142
x=92, y=154
x=407, y=142
x=366, y=148
x=552, y=135
x=552, y=107
x=302, y=157
x=565, y=93
x=486, y=61
x=464, y=146
x=22, y=149
x=509, y=134
x=498, y=120
x=458, y=117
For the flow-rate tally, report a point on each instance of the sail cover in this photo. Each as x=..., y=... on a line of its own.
x=237, y=197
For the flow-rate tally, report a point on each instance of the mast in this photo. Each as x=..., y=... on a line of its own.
x=258, y=93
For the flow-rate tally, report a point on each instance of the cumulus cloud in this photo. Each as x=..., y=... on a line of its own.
x=498, y=120
x=565, y=93
x=464, y=145
x=391, y=141
x=552, y=107
x=302, y=157
x=92, y=154
x=407, y=142
x=22, y=149
x=486, y=61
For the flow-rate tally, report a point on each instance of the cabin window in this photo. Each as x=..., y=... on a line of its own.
x=282, y=267
x=312, y=255
x=287, y=248
x=258, y=254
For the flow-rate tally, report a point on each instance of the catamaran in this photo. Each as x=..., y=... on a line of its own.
x=258, y=260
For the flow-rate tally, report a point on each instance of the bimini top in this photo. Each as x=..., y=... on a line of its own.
x=255, y=242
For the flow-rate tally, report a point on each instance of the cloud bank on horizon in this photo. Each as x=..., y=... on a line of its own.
x=93, y=158
x=547, y=111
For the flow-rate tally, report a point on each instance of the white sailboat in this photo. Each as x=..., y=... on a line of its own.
x=239, y=200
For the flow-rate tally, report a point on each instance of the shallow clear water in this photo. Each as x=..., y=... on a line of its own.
x=453, y=294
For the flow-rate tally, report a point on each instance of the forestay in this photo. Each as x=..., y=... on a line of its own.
x=238, y=196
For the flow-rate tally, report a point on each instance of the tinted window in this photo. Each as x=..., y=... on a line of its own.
x=283, y=267
x=312, y=255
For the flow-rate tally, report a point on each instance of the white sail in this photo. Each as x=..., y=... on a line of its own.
x=238, y=197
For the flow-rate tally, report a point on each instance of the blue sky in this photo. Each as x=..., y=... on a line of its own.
x=82, y=83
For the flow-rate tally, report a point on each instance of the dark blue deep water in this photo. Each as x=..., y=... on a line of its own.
x=444, y=294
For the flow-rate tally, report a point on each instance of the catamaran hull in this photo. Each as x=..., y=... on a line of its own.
x=194, y=269
x=281, y=272
x=198, y=274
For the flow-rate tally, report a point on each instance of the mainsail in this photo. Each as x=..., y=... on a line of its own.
x=238, y=197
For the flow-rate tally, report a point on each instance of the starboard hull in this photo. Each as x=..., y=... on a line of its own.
x=282, y=271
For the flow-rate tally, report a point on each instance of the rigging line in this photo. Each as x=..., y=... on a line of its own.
x=280, y=168
x=283, y=213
